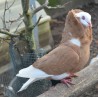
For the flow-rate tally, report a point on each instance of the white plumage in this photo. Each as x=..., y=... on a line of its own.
x=35, y=74
x=85, y=18
x=75, y=41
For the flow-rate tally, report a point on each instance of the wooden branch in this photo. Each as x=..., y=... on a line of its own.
x=18, y=27
x=40, y=7
x=8, y=33
x=32, y=27
x=27, y=21
x=27, y=17
x=4, y=14
x=88, y=77
x=3, y=19
x=25, y=5
x=15, y=20
x=11, y=5
x=59, y=6
x=1, y=38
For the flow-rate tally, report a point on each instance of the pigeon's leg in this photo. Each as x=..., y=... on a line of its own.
x=68, y=80
x=72, y=75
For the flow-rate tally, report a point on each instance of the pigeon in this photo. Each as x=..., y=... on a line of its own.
x=69, y=57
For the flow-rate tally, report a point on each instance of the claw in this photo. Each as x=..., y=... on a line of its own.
x=68, y=80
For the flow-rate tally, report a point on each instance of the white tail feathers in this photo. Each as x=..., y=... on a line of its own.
x=33, y=74
x=26, y=84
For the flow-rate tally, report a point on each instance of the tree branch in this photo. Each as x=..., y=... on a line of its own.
x=32, y=27
x=5, y=38
x=40, y=7
x=25, y=5
x=11, y=5
x=59, y=6
x=18, y=27
x=8, y=33
x=5, y=10
x=15, y=20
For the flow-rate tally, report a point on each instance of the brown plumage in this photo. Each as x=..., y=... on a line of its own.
x=69, y=57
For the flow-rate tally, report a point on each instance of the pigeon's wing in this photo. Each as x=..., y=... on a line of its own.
x=60, y=60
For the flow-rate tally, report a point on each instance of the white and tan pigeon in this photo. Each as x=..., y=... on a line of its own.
x=69, y=57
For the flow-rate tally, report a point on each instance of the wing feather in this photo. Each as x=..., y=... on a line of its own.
x=60, y=60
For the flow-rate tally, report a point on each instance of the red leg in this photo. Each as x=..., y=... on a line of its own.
x=68, y=80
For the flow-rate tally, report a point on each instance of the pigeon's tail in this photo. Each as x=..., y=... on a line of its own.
x=25, y=85
x=33, y=74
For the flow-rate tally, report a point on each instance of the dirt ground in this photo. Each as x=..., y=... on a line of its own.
x=57, y=28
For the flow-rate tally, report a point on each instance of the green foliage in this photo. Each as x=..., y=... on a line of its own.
x=53, y=2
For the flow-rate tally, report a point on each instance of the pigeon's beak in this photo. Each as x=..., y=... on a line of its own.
x=90, y=24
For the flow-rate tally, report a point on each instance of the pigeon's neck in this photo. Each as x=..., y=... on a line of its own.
x=85, y=36
x=68, y=36
x=75, y=41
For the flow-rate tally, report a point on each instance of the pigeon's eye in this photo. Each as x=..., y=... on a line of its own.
x=83, y=17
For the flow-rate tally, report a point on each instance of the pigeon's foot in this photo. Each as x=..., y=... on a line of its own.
x=68, y=80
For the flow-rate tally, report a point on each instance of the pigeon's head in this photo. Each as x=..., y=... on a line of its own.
x=85, y=18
